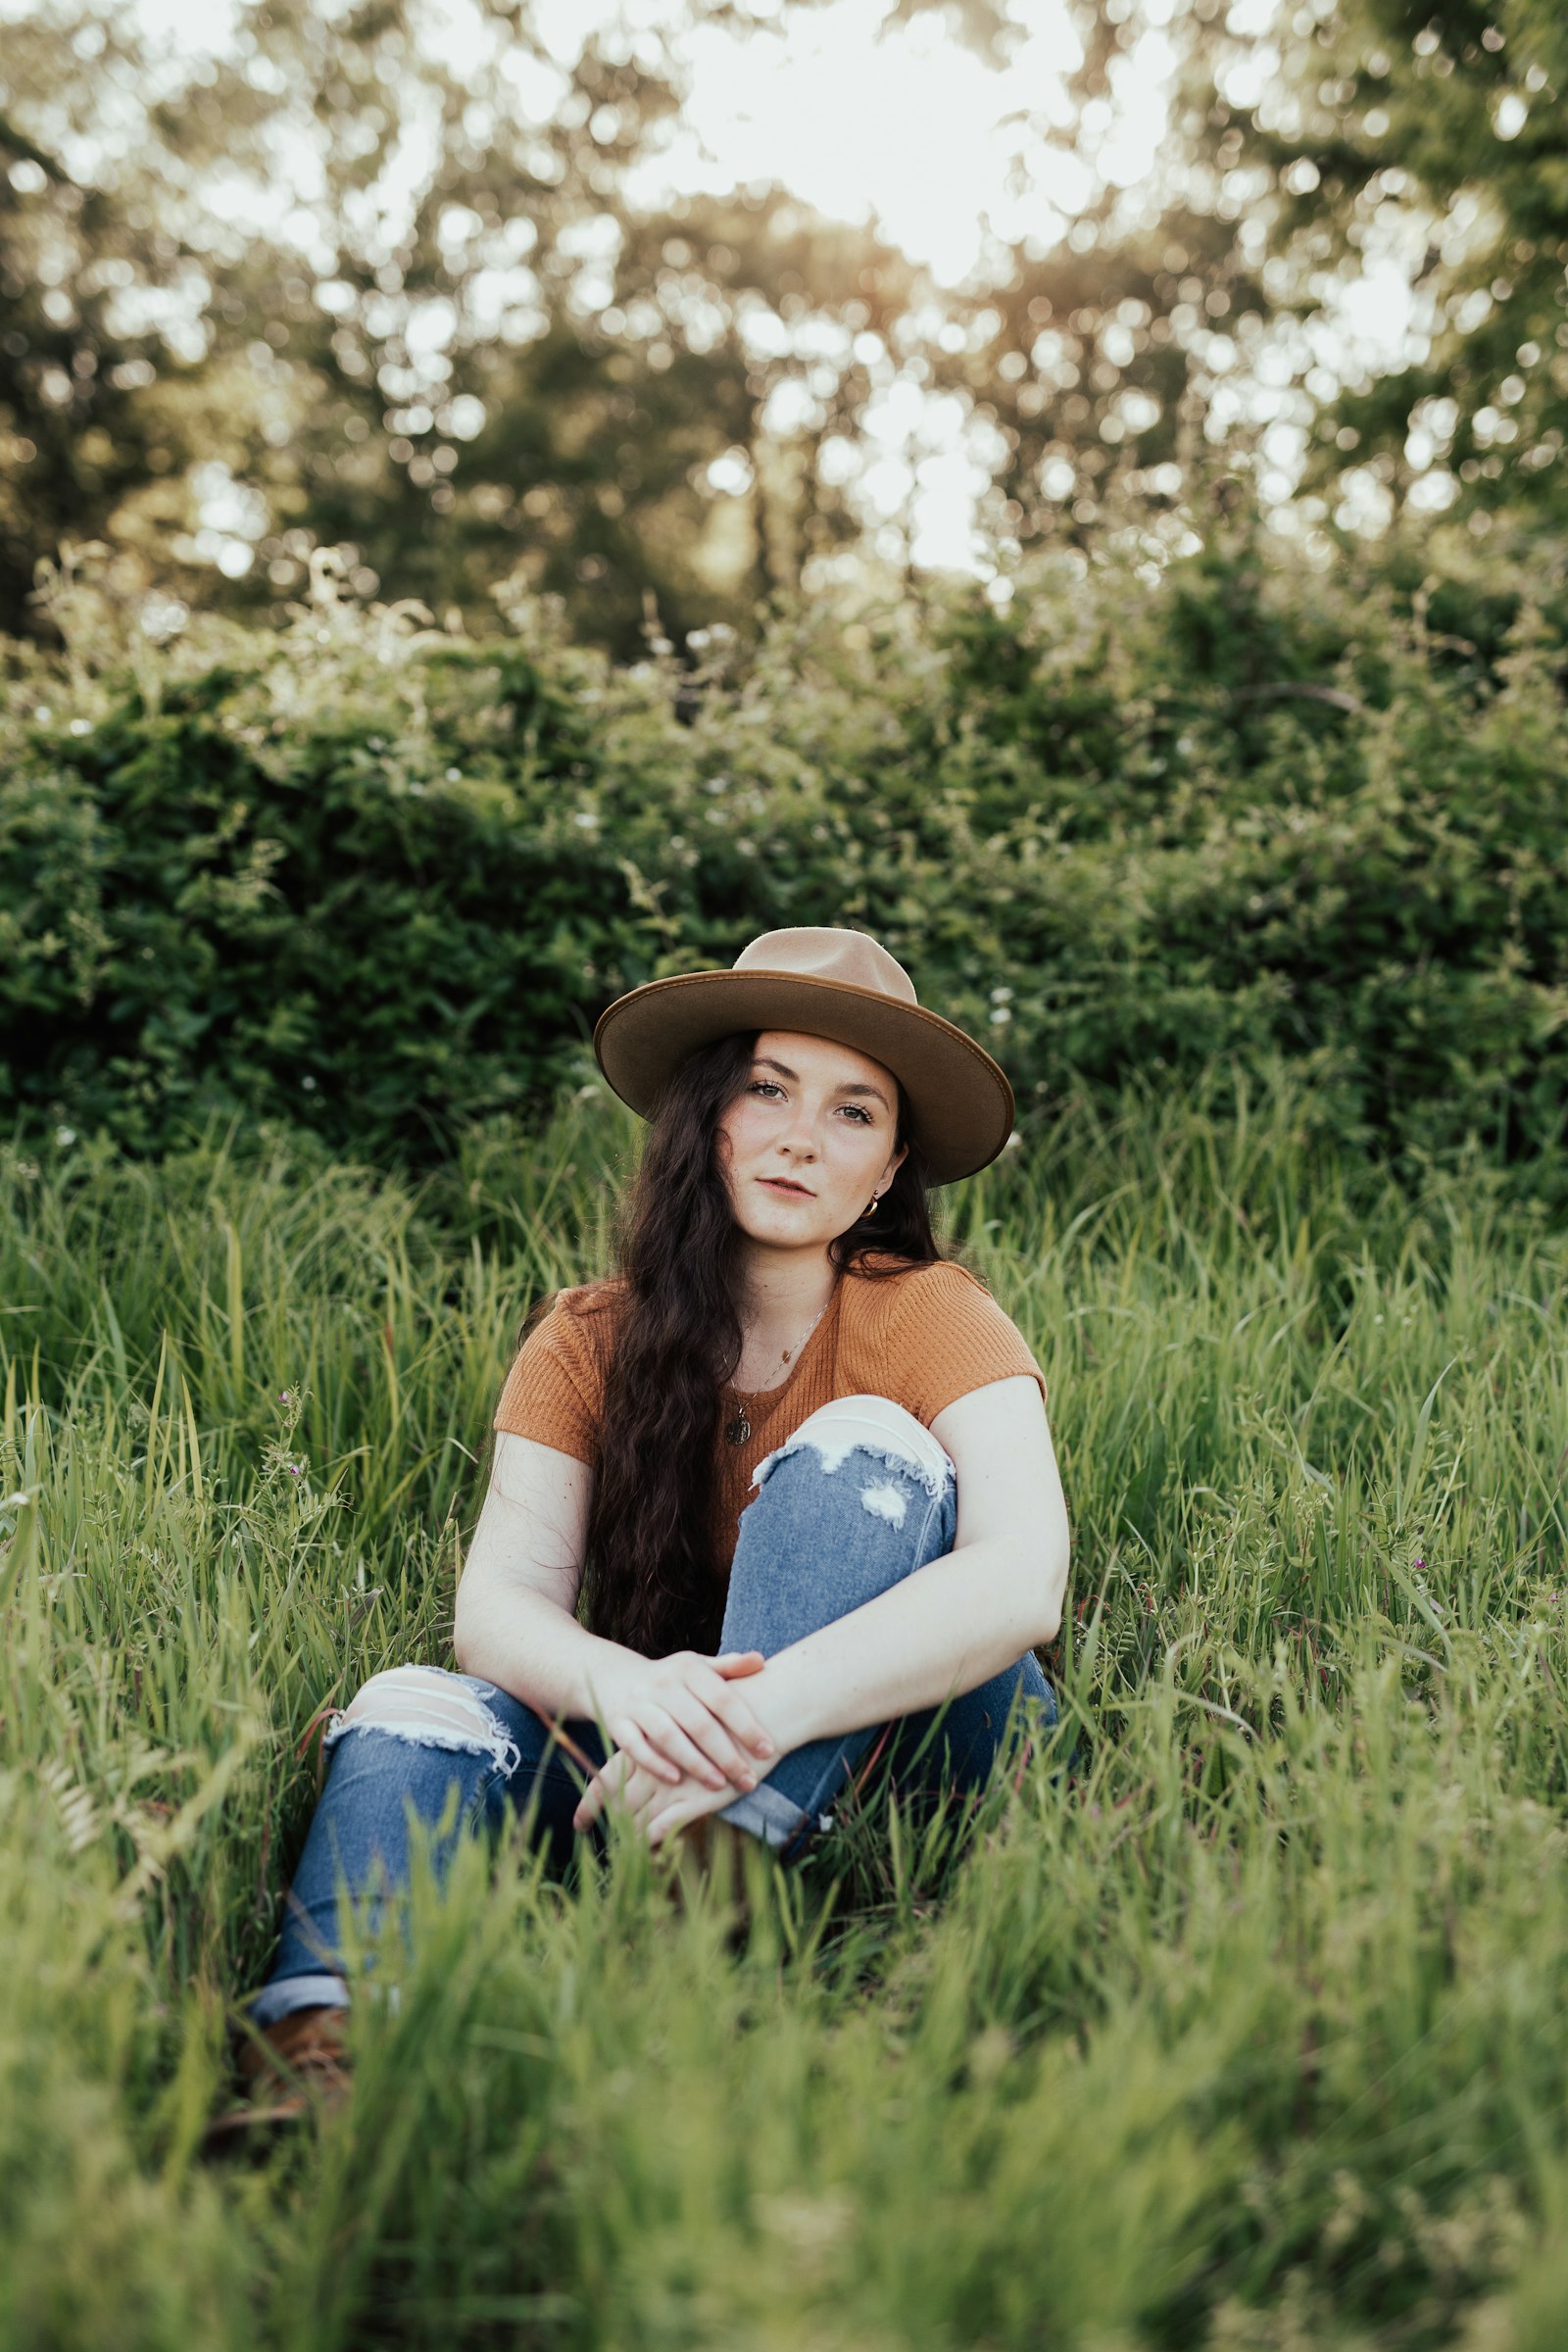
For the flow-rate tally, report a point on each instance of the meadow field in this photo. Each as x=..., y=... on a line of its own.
x=1239, y=2023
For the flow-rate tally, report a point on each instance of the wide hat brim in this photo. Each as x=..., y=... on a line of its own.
x=960, y=1106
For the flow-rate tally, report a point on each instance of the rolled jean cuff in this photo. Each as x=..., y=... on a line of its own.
x=274, y=2003
x=767, y=1813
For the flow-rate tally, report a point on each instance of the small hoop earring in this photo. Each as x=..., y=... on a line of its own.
x=875, y=1198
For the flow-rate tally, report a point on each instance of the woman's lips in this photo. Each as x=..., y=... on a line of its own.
x=782, y=1183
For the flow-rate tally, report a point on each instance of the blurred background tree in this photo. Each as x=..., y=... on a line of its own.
x=350, y=281
x=466, y=356
x=1382, y=164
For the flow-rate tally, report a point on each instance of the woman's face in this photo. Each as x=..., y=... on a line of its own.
x=809, y=1140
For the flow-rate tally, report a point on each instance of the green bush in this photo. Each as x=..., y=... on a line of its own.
x=381, y=880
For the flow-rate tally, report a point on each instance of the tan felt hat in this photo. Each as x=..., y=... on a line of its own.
x=822, y=983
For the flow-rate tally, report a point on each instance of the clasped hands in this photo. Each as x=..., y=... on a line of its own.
x=686, y=1740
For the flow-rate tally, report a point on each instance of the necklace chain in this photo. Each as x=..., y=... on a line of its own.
x=739, y=1428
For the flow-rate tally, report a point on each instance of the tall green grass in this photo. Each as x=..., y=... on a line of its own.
x=1242, y=2021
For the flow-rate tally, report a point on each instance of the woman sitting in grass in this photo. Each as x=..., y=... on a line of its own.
x=631, y=1631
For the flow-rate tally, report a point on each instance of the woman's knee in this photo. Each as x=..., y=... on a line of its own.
x=858, y=1497
x=873, y=1449
x=427, y=1707
x=870, y=1425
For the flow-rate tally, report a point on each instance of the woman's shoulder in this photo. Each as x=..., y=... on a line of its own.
x=588, y=1302
x=880, y=1287
x=576, y=1323
x=928, y=1335
x=892, y=1304
x=554, y=1389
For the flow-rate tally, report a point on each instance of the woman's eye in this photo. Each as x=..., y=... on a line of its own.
x=862, y=1118
x=766, y=1086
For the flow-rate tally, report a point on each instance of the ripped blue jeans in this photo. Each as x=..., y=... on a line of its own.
x=857, y=1499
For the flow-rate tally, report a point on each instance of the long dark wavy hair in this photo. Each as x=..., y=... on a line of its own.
x=650, y=1579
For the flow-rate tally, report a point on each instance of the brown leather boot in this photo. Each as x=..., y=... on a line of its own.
x=297, y=2067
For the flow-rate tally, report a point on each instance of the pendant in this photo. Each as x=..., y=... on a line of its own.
x=740, y=1429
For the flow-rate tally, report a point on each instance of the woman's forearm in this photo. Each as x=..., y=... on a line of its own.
x=948, y=1628
x=528, y=1645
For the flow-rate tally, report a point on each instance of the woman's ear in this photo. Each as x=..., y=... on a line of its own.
x=896, y=1162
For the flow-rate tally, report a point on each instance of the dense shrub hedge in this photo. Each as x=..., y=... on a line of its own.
x=382, y=880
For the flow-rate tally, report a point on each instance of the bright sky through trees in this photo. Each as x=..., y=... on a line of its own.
x=904, y=126
x=901, y=127
x=701, y=299
x=900, y=124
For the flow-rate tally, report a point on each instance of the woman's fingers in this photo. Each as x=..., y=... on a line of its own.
x=629, y=1736
x=672, y=1746
x=737, y=1717
x=630, y=1789
x=607, y=1782
x=590, y=1805
x=656, y=1798
x=663, y=1816
x=711, y=1680
x=672, y=1740
x=707, y=1730
x=688, y=1721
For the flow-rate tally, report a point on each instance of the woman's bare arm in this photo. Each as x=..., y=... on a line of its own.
x=961, y=1619
x=516, y=1628
x=518, y=1590
x=945, y=1628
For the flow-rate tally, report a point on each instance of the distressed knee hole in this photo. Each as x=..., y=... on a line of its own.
x=887, y=1501
x=429, y=1709
x=872, y=1425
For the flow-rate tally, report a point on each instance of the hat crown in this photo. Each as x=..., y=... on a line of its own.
x=848, y=958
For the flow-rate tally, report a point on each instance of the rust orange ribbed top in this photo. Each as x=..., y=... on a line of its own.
x=924, y=1337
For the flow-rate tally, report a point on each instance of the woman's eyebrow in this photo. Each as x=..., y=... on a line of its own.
x=765, y=1061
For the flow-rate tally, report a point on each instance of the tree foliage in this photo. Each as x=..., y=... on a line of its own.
x=344, y=285
x=1363, y=145
x=513, y=367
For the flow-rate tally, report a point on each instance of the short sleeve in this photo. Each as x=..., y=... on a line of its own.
x=555, y=1390
x=945, y=1336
